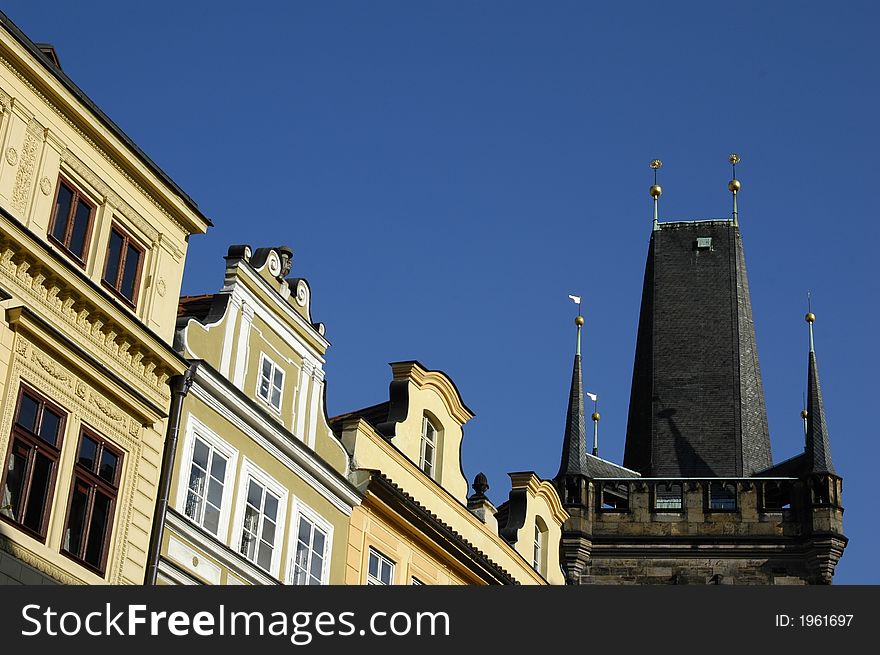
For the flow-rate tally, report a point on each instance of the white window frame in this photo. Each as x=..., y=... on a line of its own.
x=249, y=471
x=195, y=428
x=301, y=510
x=424, y=441
x=275, y=368
x=382, y=558
x=538, y=553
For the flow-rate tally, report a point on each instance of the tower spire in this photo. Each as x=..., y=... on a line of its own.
x=734, y=186
x=574, y=446
x=656, y=191
x=818, y=448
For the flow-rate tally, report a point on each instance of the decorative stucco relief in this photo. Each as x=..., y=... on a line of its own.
x=25, y=173
x=115, y=346
x=63, y=116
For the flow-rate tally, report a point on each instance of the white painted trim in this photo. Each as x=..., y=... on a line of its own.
x=249, y=471
x=317, y=391
x=222, y=553
x=192, y=561
x=275, y=324
x=210, y=389
x=300, y=508
x=174, y=576
x=265, y=358
x=282, y=305
x=196, y=427
x=382, y=557
x=242, y=347
x=232, y=315
x=302, y=398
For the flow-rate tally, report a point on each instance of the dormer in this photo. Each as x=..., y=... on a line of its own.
x=258, y=334
x=423, y=420
x=531, y=521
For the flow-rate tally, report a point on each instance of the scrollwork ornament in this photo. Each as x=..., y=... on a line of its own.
x=274, y=263
x=302, y=294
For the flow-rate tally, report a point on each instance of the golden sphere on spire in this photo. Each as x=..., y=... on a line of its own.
x=596, y=416
x=734, y=185
x=656, y=190
x=579, y=321
x=804, y=413
x=810, y=317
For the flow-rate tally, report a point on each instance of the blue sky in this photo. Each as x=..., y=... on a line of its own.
x=448, y=172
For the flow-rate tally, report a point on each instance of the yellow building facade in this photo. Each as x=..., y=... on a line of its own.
x=259, y=492
x=417, y=524
x=93, y=237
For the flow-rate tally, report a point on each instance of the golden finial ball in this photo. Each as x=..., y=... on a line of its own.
x=656, y=191
x=734, y=158
x=596, y=416
x=810, y=317
x=804, y=413
x=579, y=321
x=656, y=163
x=734, y=185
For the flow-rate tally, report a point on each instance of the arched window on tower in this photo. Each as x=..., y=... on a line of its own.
x=722, y=496
x=668, y=496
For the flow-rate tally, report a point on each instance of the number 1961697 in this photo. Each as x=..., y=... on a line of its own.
x=814, y=620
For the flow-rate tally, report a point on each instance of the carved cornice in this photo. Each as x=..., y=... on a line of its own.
x=439, y=382
x=36, y=562
x=120, y=206
x=93, y=145
x=38, y=368
x=111, y=335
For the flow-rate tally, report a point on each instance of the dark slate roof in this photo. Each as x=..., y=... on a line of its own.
x=602, y=468
x=50, y=62
x=574, y=442
x=793, y=467
x=818, y=448
x=697, y=400
x=374, y=415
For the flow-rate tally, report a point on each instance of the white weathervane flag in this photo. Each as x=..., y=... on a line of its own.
x=592, y=396
x=577, y=299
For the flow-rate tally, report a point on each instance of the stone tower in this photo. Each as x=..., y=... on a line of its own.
x=698, y=500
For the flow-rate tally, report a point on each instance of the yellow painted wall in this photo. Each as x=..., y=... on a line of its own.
x=61, y=331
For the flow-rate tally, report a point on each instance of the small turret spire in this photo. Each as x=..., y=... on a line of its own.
x=734, y=186
x=818, y=448
x=656, y=191
x=574, y=446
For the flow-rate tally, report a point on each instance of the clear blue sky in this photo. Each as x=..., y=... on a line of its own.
x=448, y=172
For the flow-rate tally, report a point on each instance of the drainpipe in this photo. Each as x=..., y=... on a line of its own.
x=180, y=386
